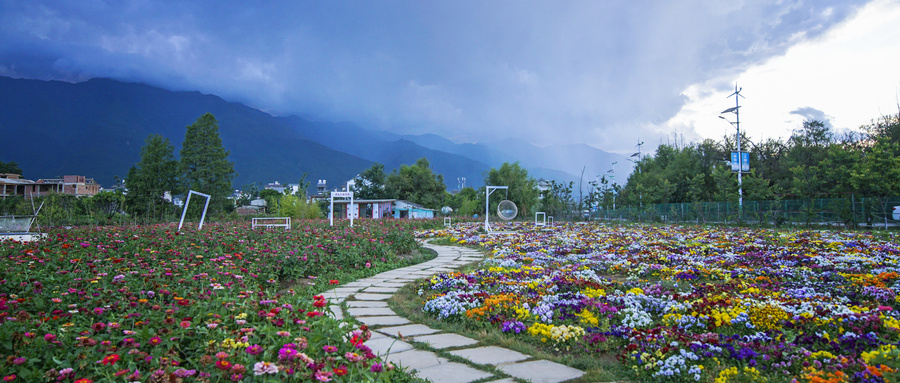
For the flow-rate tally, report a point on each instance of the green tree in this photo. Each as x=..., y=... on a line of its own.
x=558, y=201
x=418, y=183
x=272, y=198
x=204, y=162
x=10, y=167
x=466, y=202
x=876, y=174
x=150, y=178
x=108, y=203
x=372, y=184
x=296, y=207
x=522, y=188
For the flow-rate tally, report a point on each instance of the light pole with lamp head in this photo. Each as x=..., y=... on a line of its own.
x=737, y=124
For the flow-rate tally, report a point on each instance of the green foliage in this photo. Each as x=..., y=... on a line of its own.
x=877, y=173
x=418, y=183
x=204, y=162
x=522, y=188
x=558, y=201
x=372, y=184
x=466, y=202
x=108, y=202
x=10, y=167
x=296, y=207
x=150, y=178
x=272, y=197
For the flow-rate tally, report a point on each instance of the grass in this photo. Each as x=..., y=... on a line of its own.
x=602, y=368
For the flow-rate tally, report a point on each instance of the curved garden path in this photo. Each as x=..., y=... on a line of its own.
x=366, y=300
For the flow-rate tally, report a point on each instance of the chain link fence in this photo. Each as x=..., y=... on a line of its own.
x=849, y=212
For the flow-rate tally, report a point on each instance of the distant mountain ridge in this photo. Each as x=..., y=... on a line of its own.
x=96, y=128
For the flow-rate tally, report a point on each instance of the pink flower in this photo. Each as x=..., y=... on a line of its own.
x=9, y=378
x=323, y=376
x=185, y=324
x=49, y=337
x=329, y=348
x=354, y=357
x=261, y=368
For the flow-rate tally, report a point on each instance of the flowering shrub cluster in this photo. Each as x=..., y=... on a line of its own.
x=686, y=303
x=152, y=304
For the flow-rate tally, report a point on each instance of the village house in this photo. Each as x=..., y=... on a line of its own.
x=79, y=186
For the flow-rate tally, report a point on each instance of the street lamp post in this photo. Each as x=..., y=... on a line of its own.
x=737, y=124
x=614, y=184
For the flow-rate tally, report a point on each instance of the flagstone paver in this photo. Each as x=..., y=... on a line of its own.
x=416, y=359
x=382, y=346
x=441, y=341
x=379, y=289
x=370, y=311
x=372, y=297
x=490, y=355
x=365, y=300
x=452, y=373
x=407, y=330
x=541, y=371
x=383, y=320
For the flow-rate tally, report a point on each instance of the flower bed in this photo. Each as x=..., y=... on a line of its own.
x=686, y=303
x=224, y=304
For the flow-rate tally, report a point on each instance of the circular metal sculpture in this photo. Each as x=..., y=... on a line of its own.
x=507, y=210
x=446, y=210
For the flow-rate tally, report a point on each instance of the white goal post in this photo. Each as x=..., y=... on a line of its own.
x=188, y=202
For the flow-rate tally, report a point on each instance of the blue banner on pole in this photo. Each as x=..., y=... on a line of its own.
x=740, y=162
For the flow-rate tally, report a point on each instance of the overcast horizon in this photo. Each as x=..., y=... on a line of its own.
x=607, y=74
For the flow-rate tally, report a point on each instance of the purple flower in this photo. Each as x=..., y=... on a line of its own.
x=254, y=349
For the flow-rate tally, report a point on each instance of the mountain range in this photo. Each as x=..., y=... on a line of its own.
x=96, y=128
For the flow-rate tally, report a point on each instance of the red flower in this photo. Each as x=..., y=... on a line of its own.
x=110, y=359
x=312, y=314
x=340, y=371
x=334, y=282
x=84, y=380
x=223, y=365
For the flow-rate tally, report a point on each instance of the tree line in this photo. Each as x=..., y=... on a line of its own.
x=815, y=162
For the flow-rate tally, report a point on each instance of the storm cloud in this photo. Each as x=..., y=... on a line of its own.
x=604, y=73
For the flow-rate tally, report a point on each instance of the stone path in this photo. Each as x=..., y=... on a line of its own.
x=366, y=300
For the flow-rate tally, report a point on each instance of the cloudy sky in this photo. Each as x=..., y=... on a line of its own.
x=604, y=73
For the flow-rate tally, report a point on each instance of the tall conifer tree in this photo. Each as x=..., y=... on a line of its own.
x=150, y=178
x=204, y=161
